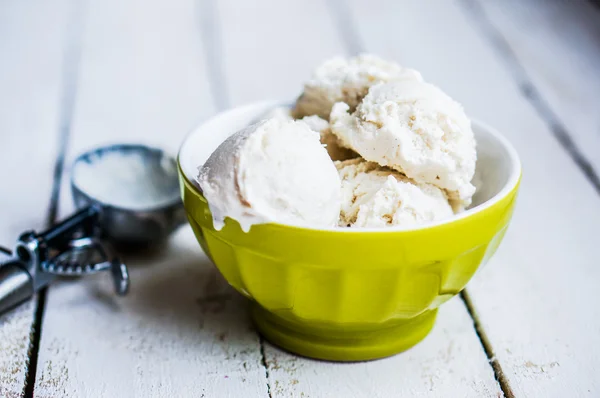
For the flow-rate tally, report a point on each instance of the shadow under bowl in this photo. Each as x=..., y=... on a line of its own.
x=348, y=294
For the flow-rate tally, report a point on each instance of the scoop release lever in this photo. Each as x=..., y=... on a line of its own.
x=70, y=248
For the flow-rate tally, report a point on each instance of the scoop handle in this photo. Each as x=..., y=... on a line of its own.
x=16, y=284
x=61, y=233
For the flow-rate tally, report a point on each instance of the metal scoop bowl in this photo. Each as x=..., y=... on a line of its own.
x=137, y=226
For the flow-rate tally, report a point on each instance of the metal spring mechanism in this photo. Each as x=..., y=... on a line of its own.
x=70, y=248
x=87, y=256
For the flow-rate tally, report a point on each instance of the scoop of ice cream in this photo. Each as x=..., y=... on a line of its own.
x=335, y=150
x=272, y=171
x=346, y=80
x=415, y=128
x=374, y=196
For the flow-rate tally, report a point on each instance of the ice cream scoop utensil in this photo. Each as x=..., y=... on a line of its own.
x=82, y=244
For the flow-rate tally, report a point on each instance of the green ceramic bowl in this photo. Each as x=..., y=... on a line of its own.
x=351, y=294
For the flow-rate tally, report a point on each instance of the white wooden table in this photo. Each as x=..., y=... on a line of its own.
x=78, y=73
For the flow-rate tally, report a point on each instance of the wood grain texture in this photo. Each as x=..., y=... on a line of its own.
x=269, y=51
x=556, y=45
x=181, y=331
x=534, y=297
x=32, y=37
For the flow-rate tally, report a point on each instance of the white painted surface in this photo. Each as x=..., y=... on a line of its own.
x=182, y=331
x=535, y=296
x=31, y=47
x=558, y=45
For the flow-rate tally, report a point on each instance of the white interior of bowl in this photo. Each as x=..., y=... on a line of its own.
x=497, y=171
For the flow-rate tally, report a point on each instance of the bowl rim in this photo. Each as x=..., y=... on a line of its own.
x=510, y=185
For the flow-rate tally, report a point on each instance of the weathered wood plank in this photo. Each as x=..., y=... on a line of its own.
x=534, y=296
x=181, y=331
x=556, y=45
x=32, y=38
x=278, y=44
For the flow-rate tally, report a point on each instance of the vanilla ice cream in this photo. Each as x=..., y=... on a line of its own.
x=415, y=128
x=374, y=196
x=272, y=171
x=346, y=80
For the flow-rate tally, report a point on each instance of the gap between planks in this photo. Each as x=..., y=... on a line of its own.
x=210, y=32
x=69, y=78
x=499, y=43
x=487, y=345
x=263, y=361
x=343, y=20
